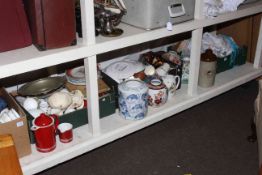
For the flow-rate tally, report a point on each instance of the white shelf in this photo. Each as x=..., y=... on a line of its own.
x=103, y=131
x=114, y=127
x=133, y=35
x=243, y=11
x=29, y=58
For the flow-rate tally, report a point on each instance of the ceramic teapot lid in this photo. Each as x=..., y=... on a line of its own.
x=156, y=84
x=43, y=120
x=133, y=85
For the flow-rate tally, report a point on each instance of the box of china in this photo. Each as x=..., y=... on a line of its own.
x=17, y=127
x=107, y=106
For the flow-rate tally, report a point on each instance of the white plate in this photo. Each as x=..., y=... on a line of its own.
x=121, y=70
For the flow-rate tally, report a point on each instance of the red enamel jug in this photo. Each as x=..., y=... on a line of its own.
x=44, y=128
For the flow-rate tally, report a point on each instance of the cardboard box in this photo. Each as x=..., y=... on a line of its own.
x=17, y=128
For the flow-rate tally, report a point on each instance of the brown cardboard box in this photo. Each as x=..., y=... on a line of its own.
x=17, y=128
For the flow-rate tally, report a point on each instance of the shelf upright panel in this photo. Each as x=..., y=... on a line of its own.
x=88, y=32
x=199, y=9
x=258, y=55
x=87, y=19
x=196, y=42
x=92, y=95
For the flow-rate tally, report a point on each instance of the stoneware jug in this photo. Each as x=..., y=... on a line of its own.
x=157, y=92
x=132, y=99
x=207, y=69
x=44, y=128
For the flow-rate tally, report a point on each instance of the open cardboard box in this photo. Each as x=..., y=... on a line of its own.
x=17, y=128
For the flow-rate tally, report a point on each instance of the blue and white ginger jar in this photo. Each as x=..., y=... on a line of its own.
x=133, y=99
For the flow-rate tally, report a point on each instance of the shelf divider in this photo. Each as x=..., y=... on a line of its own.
x=258, y=56
x=87, y=19
x=92, y=95
x=199, y=9
x=194, y=61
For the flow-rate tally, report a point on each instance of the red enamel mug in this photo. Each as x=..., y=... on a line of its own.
x=44, y=128
x=65, y=132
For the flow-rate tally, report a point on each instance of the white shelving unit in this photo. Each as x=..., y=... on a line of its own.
x=101, y=131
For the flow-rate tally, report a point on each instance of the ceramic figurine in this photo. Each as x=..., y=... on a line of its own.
x=77, y=99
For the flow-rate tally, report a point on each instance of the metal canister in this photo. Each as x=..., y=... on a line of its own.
x=207, y=70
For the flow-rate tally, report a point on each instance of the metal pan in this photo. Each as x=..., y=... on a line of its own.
x=42, y=87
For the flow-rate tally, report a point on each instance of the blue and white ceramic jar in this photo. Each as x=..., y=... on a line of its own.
x=133, y=99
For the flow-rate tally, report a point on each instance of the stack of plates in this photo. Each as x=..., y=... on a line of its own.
x=76, y=80
x=76, y=76
x=121, y=70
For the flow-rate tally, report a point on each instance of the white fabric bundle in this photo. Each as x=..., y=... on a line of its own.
x=217, y=44
x=214, y=7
